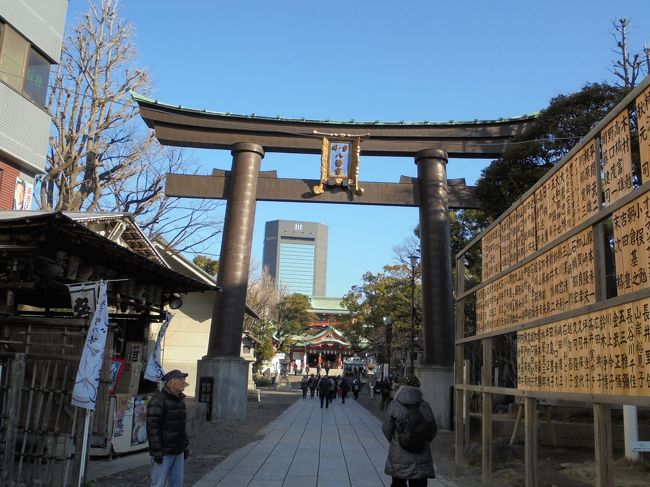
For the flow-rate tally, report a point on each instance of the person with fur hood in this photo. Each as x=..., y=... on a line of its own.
x=409, y=426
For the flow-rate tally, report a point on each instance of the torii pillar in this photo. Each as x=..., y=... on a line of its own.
x=223, y=361
x=437, y=371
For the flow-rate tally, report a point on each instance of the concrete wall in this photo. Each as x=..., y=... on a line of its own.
x=186, y=340
x=40, y=21
x=24, y=131
x=24, y=127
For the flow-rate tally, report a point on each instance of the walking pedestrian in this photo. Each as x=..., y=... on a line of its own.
x=166, y=431
x=332, y=388
x=409, y=426
x=304, y=386
x=324, y=392
x=345, y=388
x=312, y=385
x=356, y=387
x=384, y=389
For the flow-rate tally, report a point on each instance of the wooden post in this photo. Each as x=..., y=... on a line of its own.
x=515, y=430
x=486, y=423
x=459, y=361
x=101, y=420
x=603, y=445
x=466, y=398
x=530, y=448
x=15, y=393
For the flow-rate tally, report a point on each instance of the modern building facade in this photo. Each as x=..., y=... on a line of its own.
x=31, y=38
x=295, y=254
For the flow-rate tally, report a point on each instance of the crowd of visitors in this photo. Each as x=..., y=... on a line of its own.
x=409, y=425
x=329, y=388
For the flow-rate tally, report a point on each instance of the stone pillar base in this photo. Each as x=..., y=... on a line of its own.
x=283, y=383
x=436, y=383
x=229, y=393
x=251, y=382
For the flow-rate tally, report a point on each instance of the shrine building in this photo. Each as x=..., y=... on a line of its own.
x=327, y=346
x=323, y=343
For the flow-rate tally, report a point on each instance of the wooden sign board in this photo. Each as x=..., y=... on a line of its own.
x=643, y=121
x=491, y=251
x=585, y=182
x=616, y=152
x=554, y=206
x=604, y=352
x=631, y=242
x=561, y=279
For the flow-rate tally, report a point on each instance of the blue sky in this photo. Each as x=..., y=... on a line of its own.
x=371, y=60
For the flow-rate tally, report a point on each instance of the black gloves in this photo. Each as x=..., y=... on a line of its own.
x=158, y=459
x=186, y=454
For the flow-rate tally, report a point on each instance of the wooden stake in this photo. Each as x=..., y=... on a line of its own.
x=28, y=417
x=515, y=430
x=530, y=448
x=17, y=378
x=603, y=445
x=486, y=477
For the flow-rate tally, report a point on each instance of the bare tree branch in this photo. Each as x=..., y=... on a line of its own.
x=101, y=158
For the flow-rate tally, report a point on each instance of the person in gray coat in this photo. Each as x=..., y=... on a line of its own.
x=401, y=464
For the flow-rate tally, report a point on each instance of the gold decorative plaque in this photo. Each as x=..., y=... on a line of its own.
x=340, y=164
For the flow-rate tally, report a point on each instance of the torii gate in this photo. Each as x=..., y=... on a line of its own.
x=248, y=137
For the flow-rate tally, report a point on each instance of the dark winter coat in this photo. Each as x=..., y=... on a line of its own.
x=323, y=386
x=401, y=463
x=166, y=424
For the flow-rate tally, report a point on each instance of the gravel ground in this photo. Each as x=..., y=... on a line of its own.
x=556, y=467
x=217, y=440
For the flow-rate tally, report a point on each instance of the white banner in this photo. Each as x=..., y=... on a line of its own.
x=83, y=298
x=154, y=371
x=86, y=384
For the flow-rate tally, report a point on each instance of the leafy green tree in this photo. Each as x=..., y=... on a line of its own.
x=211, y=266
x=265, y=350
x=387, y=294
x=550, y=137
x=293, y=316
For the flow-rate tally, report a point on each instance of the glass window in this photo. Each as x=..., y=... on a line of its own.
x=13, y=56
x=38, y=73
x=297, y=267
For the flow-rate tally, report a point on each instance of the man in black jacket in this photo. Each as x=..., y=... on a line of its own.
x=166, y=431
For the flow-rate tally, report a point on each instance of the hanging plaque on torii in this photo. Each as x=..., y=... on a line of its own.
x=340, y=156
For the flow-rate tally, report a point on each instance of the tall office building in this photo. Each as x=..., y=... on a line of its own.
x=31, y=37
x=296, y=255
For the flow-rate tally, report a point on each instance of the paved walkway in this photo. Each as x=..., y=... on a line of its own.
x=308, y=446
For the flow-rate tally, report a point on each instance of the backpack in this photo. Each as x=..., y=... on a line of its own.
x=414, y=435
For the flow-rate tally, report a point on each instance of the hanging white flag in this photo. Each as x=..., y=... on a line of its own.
x=154, y=371
x=86, y=384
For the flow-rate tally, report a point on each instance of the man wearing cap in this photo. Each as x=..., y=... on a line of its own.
x=166, y=431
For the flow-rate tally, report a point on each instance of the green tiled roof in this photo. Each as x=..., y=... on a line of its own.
x=323, y=304
x=144, y=99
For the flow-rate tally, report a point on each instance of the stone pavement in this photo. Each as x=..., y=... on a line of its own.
x=309, y=446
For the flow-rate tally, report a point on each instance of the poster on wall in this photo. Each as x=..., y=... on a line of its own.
x=23, y=195
x=139, y=430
